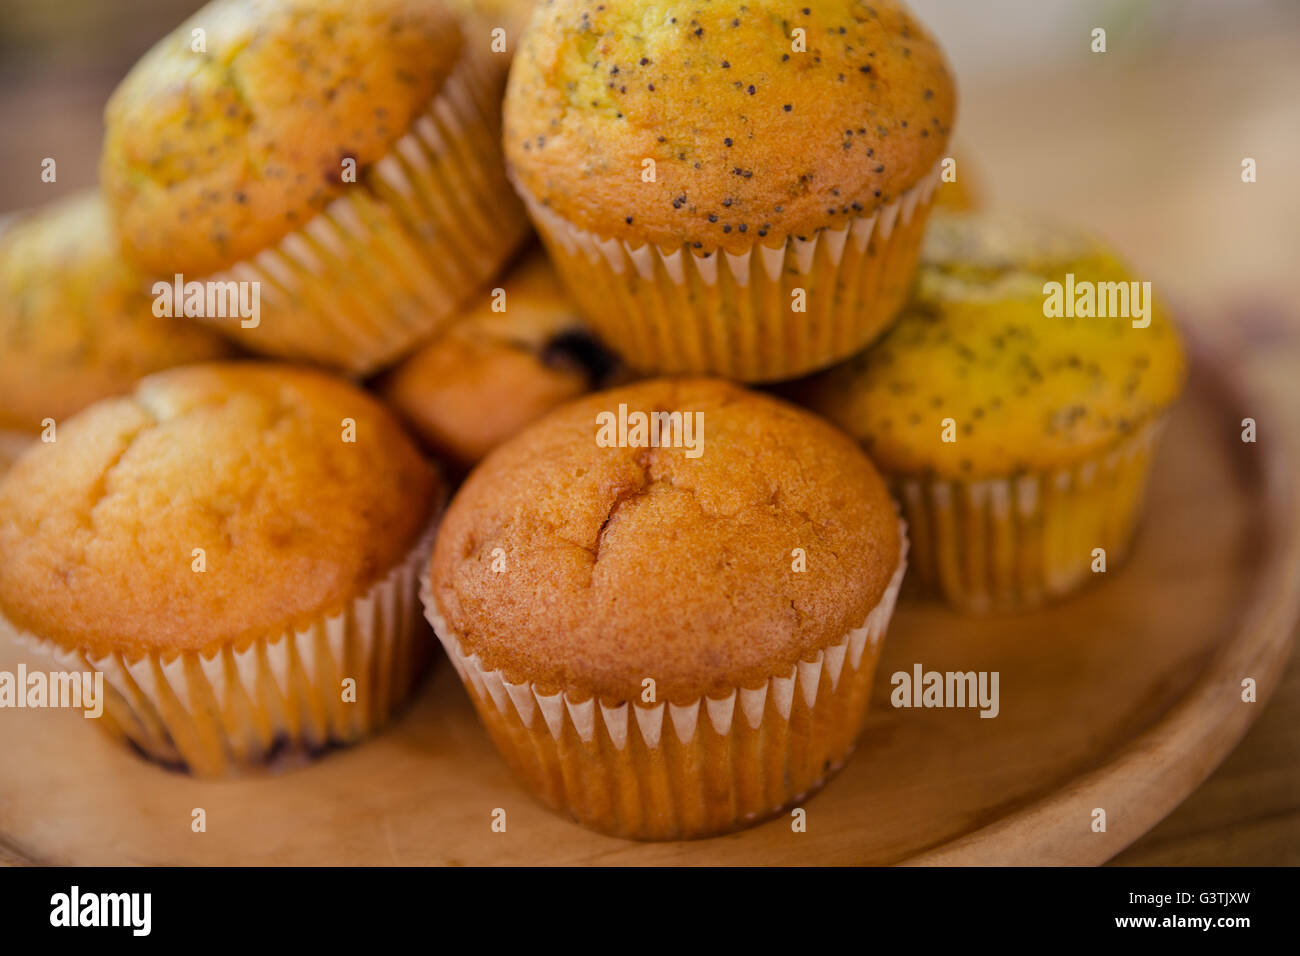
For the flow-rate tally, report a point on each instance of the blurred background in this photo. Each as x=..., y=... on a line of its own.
x=1143, y=143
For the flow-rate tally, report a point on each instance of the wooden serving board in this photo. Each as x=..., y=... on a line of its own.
x=1124, y=697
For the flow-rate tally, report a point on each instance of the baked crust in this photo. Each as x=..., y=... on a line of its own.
x=624, y=563
x=751, y=141
x=1026, y=392
x=244, y=460
x=211, y=157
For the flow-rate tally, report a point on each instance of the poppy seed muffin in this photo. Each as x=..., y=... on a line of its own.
x=230, y=545
x=77, y=325
x=661, y=643
x=732, y=188
x=513, y=357
x=1018, y=441
x=342, y=154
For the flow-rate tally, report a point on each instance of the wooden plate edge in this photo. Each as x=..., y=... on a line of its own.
x=1210, y=716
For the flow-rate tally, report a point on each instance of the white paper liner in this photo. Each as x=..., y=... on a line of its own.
x=657, y=772
x=679, y=310
x=527, y=702
x=236, y=709
x=621, y=254
x=1004, y=544
x=388, y=263
x=805, y=678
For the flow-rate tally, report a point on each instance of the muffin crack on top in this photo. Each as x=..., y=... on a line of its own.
x=626, y=562
x=730, y=601
x=101, y=491
x=630, y=494
x=656, y=473
x=627, y=495
x=247, y=468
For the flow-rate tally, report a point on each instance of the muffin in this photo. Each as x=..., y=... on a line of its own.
x=76, y=325
x=235, y=546
x=521, y=351
x=720, y=193
x=1018, y=441
x=673, y=640
x=341, y=154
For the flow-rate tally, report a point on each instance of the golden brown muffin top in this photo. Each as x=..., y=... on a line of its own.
x=627, y=563
x=76, y=324
x=494, y=372
x=210, y=157
x=1026, y=392
x=244, y=460
x=751, y=139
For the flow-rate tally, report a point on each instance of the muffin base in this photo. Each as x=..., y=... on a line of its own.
x=387, y=264
x=273, y=701
x=681, y=771
x=679, y=311
x=1009, y=544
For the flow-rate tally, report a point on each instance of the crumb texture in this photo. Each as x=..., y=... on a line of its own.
x=623, y=564
x=245, y=461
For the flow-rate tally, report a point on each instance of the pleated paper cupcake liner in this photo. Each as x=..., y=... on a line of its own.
x=389, y=262
x=670, y=771
x=271, y=702
x=1008, y=544
x=683, y=311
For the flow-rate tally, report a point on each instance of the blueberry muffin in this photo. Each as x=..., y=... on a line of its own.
x=520, y=352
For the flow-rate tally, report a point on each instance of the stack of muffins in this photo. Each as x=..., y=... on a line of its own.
x=666, y=634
